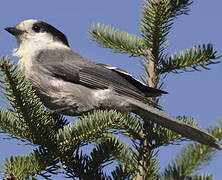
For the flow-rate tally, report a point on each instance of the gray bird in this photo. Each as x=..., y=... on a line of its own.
x=71, y=84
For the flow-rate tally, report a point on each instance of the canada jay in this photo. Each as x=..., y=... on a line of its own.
x=72, y=84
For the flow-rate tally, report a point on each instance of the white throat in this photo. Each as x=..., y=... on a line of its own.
x=29, y=48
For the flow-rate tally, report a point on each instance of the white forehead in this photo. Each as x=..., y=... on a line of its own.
x=26, y=24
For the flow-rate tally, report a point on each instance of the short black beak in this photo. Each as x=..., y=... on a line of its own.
x=14, y=31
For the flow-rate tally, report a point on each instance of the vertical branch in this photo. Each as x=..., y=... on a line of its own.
x=152, y=78
x=144, y=153
x=145, y=149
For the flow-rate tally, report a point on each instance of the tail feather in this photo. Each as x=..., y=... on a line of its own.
x=173, y=124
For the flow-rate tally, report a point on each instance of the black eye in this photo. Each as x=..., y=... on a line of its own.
x=36, y=28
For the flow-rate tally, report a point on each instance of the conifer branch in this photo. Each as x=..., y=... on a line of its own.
x=191, y=159
x=190, y=60
x=87, y=128
x=128, y=126
x=12, y=125
x=105, y=152
x=179, y=7
x=157, y=20
x=118, y=41
x=120, y=173
x=124, y=154
x=184, y=166
x=203, y=176
x=38, y=125
x=27, y=166
x=97, y=126
x=151, y=168
x=113, y=149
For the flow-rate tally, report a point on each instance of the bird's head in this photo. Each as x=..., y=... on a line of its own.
x=37, y=32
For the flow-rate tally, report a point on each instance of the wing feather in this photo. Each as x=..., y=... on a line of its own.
x=70, y=66
x=148, y=91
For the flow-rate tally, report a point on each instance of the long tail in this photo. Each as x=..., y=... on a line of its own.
x=173, y=124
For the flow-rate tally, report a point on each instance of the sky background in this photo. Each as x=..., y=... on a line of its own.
x=196, y=94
